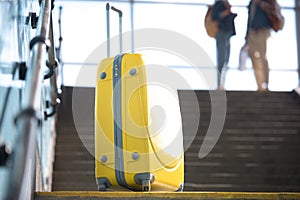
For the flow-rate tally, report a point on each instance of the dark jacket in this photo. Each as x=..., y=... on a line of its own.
x=260, y=18
x=226, y=24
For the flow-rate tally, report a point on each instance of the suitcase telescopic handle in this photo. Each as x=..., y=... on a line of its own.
x=120, y=27
x=107, y=30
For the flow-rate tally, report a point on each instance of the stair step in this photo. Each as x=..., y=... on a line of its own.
x=71, y=180
x=82, y=165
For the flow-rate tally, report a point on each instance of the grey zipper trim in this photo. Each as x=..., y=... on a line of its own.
x=117, y=105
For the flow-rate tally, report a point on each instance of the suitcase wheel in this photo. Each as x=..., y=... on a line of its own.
x=146, y=186
x=145, y=180
x=103, y=183
x=102, y=188
x=180, y=189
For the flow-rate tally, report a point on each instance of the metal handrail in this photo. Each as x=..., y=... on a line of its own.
x=21, y=183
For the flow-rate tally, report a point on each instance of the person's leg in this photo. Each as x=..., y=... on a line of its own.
x=222, y=55
x=227, y=48
x=225, y=65
x=265, y=34
x=257, y=41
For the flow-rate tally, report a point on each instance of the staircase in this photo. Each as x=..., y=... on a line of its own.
x=74, y=164
x=257, y=151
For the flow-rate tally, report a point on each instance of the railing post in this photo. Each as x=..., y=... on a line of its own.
x=297, y=11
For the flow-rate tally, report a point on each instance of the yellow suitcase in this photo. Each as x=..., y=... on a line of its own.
x=133, y=150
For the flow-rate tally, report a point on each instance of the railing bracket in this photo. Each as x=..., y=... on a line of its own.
x=54, y=108
x=39, y=39
x=51, y=68
x=21, y=66
x=5, y=152
x=28, y=112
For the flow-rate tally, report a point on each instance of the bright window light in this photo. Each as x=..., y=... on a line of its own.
x=84, y=30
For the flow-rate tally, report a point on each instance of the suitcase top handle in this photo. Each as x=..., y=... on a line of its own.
x=120, y=28
x=118, y=11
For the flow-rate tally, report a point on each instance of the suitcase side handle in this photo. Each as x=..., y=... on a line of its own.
x=120, y=27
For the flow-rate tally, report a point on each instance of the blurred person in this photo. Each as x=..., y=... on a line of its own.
x=221, y=12
x=259, y=25
x=243, y=55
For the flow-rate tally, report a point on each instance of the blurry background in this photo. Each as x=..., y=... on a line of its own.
x=84, y=29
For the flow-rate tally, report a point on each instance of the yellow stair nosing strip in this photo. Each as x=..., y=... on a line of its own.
x=173, y=195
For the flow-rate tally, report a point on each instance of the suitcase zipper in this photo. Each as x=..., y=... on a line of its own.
x=117, y=105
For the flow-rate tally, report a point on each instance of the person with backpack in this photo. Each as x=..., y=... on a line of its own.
x=221, y=12
x=260, y=22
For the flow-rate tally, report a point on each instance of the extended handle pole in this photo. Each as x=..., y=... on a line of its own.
x=120, y=27
x=107, y=30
